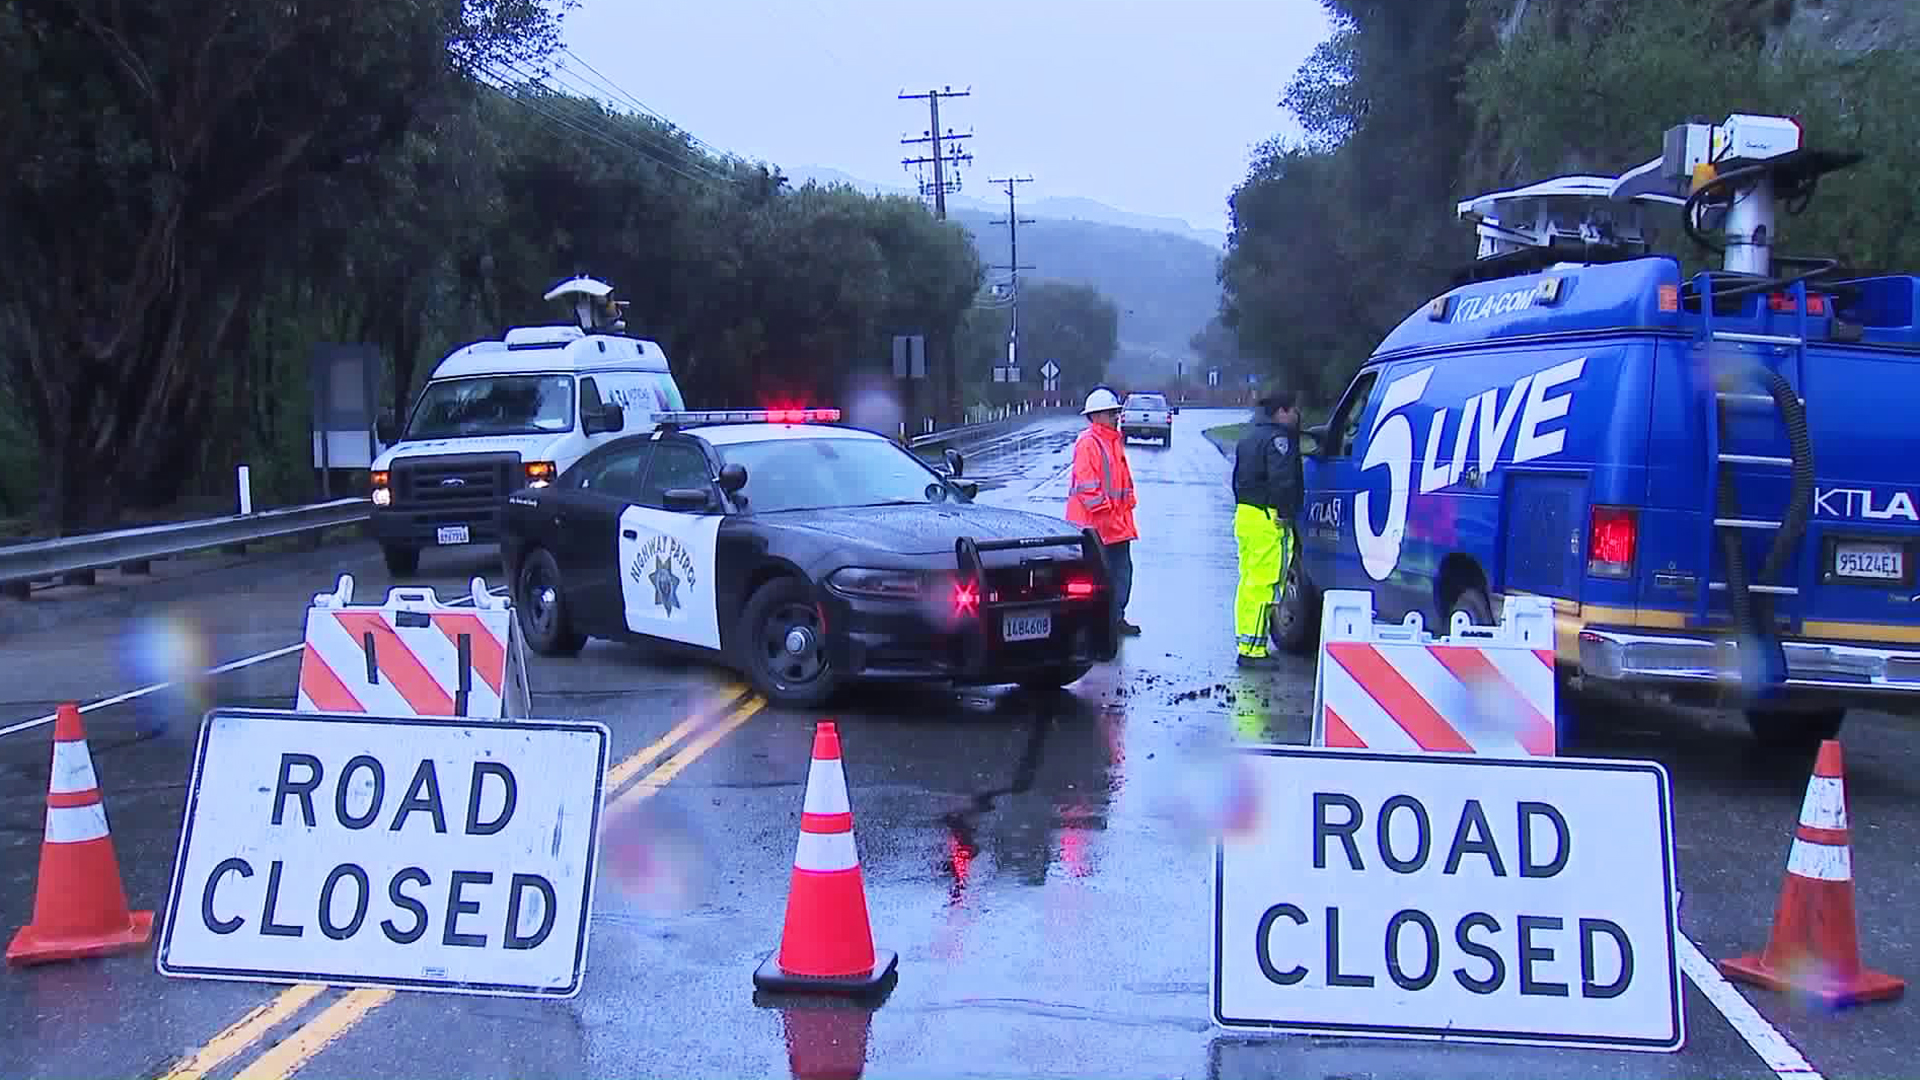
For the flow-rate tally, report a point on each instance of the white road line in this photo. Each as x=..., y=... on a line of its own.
x=1763, y=1037
x=235, y=665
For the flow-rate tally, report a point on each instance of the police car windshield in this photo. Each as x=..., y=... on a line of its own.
x=494, y=405
x=818, y=474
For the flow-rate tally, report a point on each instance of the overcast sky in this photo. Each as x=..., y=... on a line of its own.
x=1150, y=106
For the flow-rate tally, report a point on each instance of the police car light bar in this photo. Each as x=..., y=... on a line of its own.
x=747, y=416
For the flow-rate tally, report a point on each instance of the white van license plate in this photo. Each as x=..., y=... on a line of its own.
x=1026, y=627
x=1879, y=562
x=453, y=534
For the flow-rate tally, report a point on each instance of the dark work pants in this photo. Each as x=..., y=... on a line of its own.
x=1120, y=564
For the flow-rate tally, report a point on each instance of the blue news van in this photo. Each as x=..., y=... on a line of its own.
x=1709, y=475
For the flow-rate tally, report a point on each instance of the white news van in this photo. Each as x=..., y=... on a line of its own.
x=498, y=416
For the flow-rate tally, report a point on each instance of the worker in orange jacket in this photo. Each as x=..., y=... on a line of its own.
x=1100, y=495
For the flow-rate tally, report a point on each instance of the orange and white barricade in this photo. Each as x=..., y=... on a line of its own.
x=414, y=656
x=1485, y=690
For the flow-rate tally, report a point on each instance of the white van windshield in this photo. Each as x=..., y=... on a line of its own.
x=494, y=405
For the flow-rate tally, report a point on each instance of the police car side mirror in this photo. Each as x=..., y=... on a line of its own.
x=689, y=499
x=386, y=428
x=733, y=477
x=956, y=461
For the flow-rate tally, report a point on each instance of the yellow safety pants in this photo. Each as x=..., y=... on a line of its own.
x=1266, y=546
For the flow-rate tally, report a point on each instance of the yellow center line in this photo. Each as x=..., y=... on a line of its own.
x=244, y=1032
x=626, y=770
x=300, y=1047
x=314, y=1036
x=249, y=1029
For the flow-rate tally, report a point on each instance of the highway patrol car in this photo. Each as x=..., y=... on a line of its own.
x=1711, y=476
x=803, y=553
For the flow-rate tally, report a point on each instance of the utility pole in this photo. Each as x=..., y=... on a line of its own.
x=946, y=151
x=1013, y=222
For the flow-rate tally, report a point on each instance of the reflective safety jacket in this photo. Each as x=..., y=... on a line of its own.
x=1100, y=490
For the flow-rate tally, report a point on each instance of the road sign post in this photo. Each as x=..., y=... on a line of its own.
x=425, y=854
x=1449, y=896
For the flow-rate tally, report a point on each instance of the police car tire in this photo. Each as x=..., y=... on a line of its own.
x=749, y=633
x=1054, y=678
x=558, y=637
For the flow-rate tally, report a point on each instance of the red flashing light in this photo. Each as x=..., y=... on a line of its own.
x=801, y=416
x=1612, y=536
x=1079, y=588
x=966, y=599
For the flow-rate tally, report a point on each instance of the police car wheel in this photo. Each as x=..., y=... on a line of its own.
x=1054, y=678
x=543, y=613
x=781, y=644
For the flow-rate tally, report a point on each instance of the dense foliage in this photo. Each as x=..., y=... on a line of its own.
x=1413, y=105
x=199, y=199
x=1071, y=324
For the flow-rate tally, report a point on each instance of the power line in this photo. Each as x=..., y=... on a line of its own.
x=945, y=146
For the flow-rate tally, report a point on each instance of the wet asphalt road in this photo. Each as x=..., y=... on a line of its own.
x=1051, y=918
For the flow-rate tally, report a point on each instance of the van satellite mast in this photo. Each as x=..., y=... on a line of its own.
x=1725, y=177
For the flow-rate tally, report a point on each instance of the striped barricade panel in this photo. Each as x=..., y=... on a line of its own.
x=1480, y=690
x=412, y=656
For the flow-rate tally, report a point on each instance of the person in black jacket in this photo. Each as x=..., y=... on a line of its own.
x=1268, y=487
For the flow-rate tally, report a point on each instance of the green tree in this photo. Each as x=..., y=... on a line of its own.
x=161, y=157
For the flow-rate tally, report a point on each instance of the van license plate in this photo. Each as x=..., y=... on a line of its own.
x=1027, y=627
x=453, y=534
x=1878, y=562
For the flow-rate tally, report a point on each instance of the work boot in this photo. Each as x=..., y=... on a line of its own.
x=1128, y=628
x=1255, y=660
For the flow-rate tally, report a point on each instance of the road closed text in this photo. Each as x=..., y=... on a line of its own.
x=514, y=909
x=1444, y=895
x=421, y=853
x=1542, y=955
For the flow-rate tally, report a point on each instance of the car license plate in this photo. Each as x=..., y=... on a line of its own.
x=453, y=534
x=1026, y=627
x=1880, y=562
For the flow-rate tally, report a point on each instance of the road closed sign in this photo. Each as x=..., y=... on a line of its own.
x=424, y=853
x=1449, y=896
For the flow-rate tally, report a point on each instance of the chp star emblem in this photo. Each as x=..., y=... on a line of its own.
x=666, y=587
x=1281, y=443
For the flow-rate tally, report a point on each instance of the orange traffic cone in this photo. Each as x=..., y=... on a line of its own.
x=827, y=944
x=81, y=907
x=1815, y=947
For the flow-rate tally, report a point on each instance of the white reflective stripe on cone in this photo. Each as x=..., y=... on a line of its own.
x=72, y=769
x=1826, y=804
x=1822, y=862
x=827, y=788
x=826, y=852
x=76, y=824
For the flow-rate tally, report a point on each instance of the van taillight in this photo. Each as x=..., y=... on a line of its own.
x=1612, y=532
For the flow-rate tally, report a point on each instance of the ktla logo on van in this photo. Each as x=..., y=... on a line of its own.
x=1487, y=421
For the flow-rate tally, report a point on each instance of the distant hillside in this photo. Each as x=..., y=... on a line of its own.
x=1163, y=284
x=986, y=199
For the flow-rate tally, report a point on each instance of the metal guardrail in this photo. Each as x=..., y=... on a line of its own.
x=966, y=430
x=22, y=564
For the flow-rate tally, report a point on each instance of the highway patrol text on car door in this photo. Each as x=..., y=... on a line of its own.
x=667, y=556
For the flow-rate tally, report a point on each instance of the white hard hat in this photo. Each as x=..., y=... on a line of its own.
x=1101, y=400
